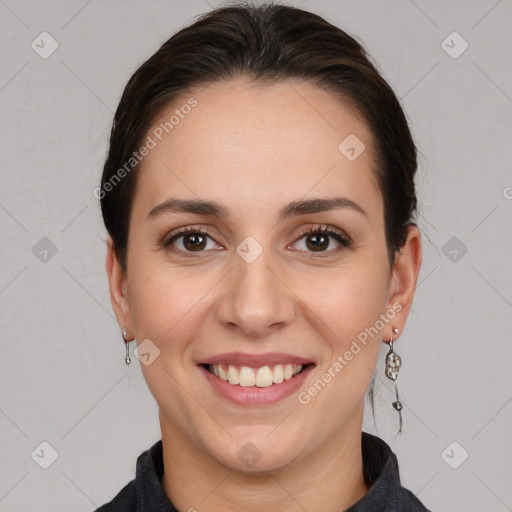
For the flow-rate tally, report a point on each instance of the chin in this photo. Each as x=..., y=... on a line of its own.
x=255, y=454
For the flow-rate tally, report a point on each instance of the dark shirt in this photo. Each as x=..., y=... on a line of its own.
x=145, y=492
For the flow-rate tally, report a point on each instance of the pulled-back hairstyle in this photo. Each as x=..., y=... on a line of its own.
x=266, y=43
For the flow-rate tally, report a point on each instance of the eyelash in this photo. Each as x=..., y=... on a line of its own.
x=340, y=237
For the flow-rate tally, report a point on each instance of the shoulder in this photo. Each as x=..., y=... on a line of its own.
x=410, y=503
x=125, y=500
x=381, y=472
x=145, y=485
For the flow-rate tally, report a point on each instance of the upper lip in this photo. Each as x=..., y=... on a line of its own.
x=255, y=360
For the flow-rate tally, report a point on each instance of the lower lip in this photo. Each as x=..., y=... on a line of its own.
x=253, y=395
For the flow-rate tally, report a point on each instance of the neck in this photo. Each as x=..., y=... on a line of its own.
x=330, y=479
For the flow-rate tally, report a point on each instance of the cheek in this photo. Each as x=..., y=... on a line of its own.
x=163, y=304
x=347, y=300
x=347, y=311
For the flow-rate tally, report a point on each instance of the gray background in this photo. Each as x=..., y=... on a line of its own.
x=63, y=379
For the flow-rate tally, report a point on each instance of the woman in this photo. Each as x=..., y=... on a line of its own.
x=259, y=198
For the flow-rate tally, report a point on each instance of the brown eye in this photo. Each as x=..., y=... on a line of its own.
x=319, y=239
x=194, y=242
x=189, y=240
x=317, y=242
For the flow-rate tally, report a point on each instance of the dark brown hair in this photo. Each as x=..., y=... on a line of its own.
x=266, y=43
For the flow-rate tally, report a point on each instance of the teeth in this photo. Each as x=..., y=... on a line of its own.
x=259, y=377
x=264, y=377
x=232, y=375
x=277, y=377
x=247, y=377
x=222, y=373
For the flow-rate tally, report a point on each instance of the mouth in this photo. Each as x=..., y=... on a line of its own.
x=255, y=379
x=261, y=377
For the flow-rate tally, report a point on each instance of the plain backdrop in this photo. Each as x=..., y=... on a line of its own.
x=63, y=379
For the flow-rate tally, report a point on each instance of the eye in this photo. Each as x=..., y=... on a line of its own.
x=318, y=239
x=189, y=239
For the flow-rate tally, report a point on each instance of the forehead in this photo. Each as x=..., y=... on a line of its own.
x=277, y=143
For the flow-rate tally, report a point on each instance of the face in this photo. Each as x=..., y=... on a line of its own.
x=270, y=273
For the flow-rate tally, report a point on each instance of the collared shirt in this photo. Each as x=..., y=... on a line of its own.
x=145, y=492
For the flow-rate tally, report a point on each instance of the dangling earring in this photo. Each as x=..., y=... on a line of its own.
x=127, y=359
x=393, y=364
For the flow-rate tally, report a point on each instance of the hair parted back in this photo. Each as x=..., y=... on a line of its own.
x=267, y=43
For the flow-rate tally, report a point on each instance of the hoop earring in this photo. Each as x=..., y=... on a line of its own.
x=393, y=364
x=127, y=359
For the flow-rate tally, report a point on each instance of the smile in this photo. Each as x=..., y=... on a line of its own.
x=255, y=379
x=262, y=377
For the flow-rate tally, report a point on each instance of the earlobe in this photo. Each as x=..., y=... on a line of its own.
x=117, y=286
x=405, y=274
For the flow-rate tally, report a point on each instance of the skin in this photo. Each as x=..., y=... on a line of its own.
x=254, y=150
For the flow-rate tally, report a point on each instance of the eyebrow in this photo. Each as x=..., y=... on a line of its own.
x=293, y=209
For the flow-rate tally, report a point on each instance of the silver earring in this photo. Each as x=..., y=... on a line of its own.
x=393, y=364
x=127, y=359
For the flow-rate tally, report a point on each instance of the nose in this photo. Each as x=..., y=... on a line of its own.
x=256, y=300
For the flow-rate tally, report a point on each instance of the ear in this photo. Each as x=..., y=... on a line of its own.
x=118, y=288
x=405, y=274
